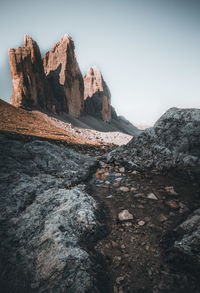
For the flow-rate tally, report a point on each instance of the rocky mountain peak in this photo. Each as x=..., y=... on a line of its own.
x=28, y=80
x=63, y=73
x=66, y=37
x=97, y=94
x=28, y=41
x=94, y=82
x=56, y=83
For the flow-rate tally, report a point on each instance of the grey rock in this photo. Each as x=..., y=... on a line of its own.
x=44, y=219
x=173, y=142
x=185, y=250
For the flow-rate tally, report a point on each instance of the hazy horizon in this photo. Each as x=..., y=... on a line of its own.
x=147, y=50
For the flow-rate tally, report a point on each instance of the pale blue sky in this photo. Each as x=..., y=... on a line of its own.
x=148, y=50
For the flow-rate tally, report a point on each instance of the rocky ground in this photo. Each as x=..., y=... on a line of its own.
x=79, y=218
x=110, y=230
x=142, y=211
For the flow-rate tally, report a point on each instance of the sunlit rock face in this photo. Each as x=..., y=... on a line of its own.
x=97, y=95
x=64, y=76
x=28, y=80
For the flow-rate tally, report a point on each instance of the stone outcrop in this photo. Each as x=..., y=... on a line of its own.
x=28, y=79
x=173, y=142
x=64, y=76
x=46, y=219
x=97, y=95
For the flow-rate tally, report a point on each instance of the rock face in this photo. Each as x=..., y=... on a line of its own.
x=173, y=142
x=44, y=219
x=185, y=250
x=28, y=80
x=64, y=76
x=97, y=95
x=55, y=84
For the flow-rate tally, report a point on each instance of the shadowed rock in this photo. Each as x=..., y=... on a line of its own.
x=97, y=95
x=43, y=219
x=183, y=244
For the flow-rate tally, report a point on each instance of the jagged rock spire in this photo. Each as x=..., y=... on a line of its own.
x=64, y=75
x=28, y=79
x=97, y=95
x=56, y=83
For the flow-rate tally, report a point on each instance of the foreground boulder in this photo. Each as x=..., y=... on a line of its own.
x=185, y=246
x=45, y=215
x=97, y=95
x=173, y=142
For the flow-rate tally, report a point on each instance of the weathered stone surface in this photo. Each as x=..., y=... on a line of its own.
x=97, y=95
x=173, y=142
x=64, y=76
x=185, y=250
x=30, y=88
x=43, y=219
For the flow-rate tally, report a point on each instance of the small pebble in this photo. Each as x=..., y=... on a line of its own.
x=152, y=196
x=125, y=215
x=170, y=189
x=141, y=223
x=124, y=189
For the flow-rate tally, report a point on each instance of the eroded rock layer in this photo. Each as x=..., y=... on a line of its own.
x=97, y=95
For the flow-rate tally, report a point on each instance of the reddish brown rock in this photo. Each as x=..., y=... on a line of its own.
x=28, y=78
x=97, y=95
x=64, y=76
x=56, y=83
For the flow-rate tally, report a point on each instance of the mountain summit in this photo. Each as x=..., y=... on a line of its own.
x=55, y=83
x=97, y=94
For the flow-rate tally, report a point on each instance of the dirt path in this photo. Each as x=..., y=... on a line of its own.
x=135, y=258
